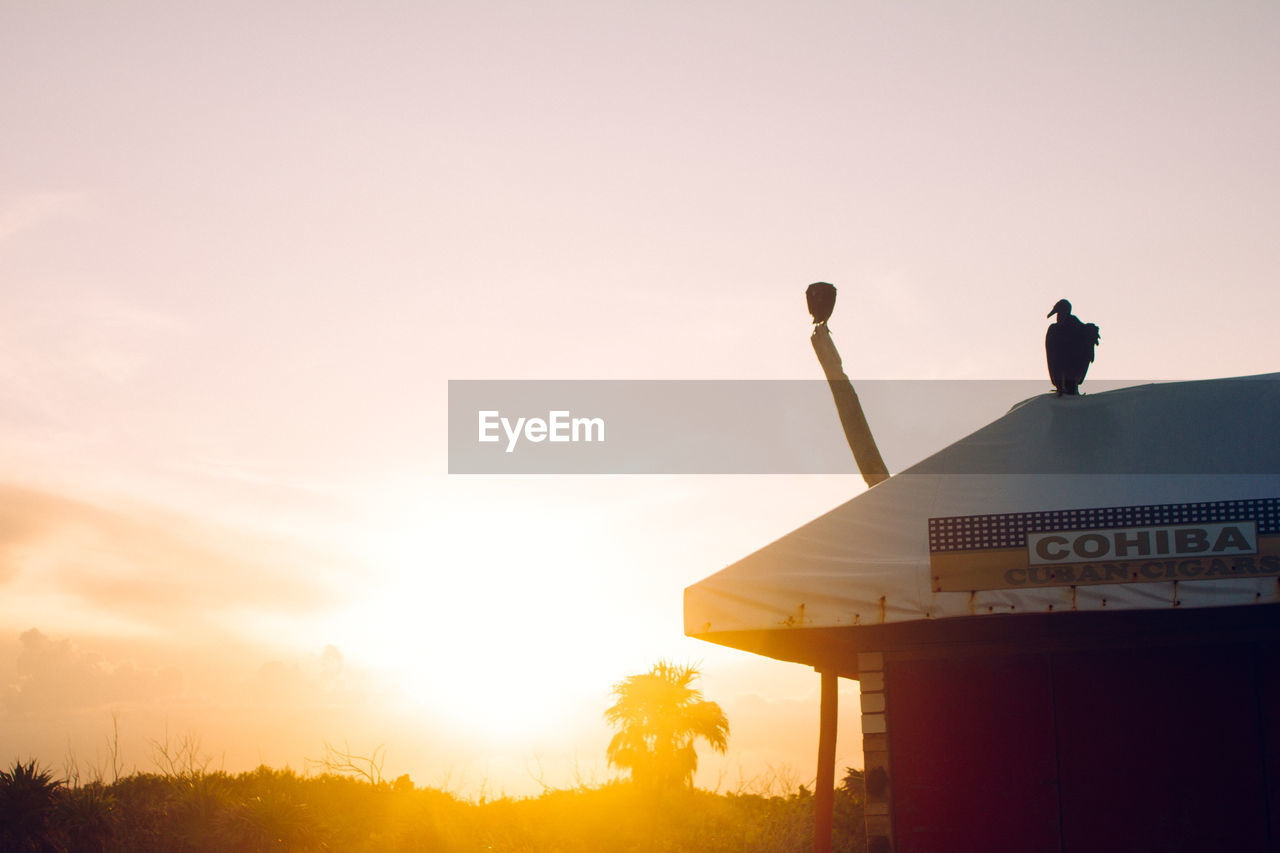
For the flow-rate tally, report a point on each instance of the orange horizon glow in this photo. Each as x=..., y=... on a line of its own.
x=244, y=249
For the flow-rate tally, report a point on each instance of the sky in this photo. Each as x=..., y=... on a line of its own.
x=245, y=246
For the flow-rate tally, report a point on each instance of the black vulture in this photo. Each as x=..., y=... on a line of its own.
x=1068, y=346
x=821, y=297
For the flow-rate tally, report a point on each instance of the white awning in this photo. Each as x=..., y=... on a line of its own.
x=1150, y=497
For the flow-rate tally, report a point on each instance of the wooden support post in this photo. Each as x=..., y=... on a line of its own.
x=824, y=788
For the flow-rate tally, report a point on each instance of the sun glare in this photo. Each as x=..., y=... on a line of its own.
x=485, y=622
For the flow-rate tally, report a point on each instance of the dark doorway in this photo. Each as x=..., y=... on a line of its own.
x=1126, y=750
x=1160, y=750
x=972, y=753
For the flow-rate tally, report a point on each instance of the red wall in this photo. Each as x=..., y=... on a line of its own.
x=1085, y=752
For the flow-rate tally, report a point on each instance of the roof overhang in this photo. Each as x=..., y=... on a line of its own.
x=837, y=649
x=866, y=575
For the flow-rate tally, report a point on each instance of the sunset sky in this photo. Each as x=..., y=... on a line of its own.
x=245, y=245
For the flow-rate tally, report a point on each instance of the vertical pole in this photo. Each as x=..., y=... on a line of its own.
x=852, y=419
x=824, y=788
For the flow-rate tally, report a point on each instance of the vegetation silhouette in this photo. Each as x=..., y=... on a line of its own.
x=658, y=716
x=279, y=810
x=27, y=798
x=352, y=807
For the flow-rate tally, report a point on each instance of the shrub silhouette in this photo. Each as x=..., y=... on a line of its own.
x=279, y=810
x=184, y=808
x=86, y=818
x=27, y=799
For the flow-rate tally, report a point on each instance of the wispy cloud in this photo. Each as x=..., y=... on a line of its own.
x=22, y=212
x=56, y=676
x=161, y=569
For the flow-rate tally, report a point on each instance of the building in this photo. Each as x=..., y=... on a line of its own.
x=1066, y=626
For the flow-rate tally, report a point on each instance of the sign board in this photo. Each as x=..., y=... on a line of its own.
x=1210, y=540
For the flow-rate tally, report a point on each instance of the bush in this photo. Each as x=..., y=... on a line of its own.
x=278, y=810
x=27, y=799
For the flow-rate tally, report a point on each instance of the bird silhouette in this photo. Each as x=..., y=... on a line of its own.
x=821, y=296
x=1068, y=347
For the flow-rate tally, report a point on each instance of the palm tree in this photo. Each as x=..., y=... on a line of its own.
x=658, y=716
x=27, y=798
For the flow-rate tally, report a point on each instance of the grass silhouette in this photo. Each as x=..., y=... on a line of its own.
x=280, y=810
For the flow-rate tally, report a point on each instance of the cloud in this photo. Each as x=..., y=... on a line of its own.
x=23, y=520
x=159, y=569
x=56, y=676
x=318, y=680
x=65, y=700
x=22, y=212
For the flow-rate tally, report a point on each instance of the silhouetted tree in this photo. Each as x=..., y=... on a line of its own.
x=658, y=716
x=854, y=784
x=27, y=799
